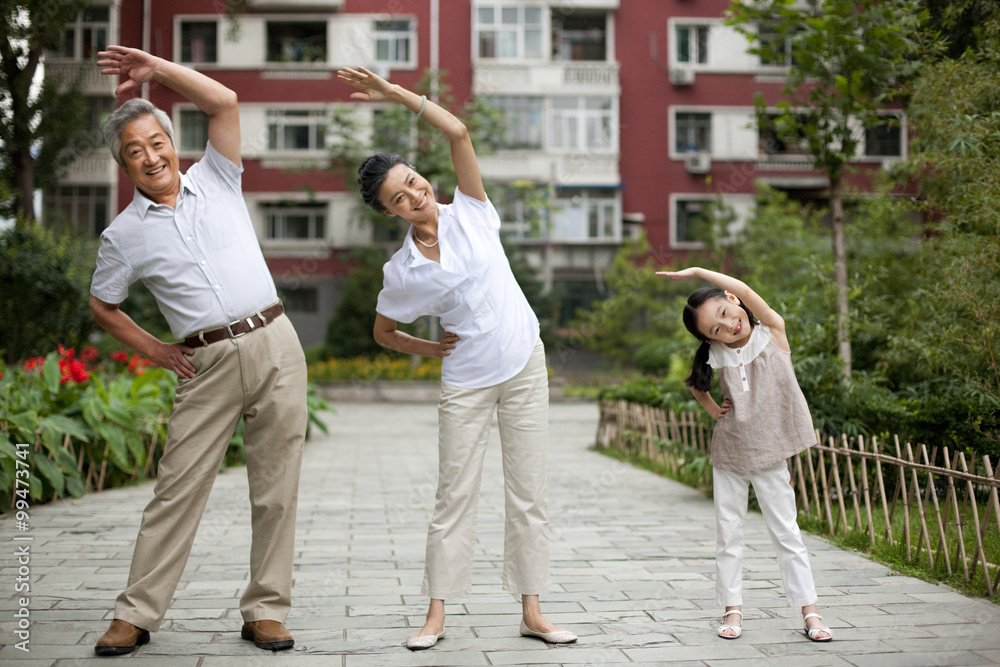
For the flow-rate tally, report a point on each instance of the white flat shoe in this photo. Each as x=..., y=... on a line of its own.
x=737, y=630
x=813, y=633
x=423, y=641
x=559, y=637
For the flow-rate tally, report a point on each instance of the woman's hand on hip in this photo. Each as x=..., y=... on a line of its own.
x=447, y=344
x=723, y=409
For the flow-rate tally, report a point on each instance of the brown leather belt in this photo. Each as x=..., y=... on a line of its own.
x=236, y=328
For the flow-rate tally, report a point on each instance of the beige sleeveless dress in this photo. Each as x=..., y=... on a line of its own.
x=769, y=420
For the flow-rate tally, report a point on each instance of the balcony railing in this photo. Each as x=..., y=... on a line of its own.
x=580, y=78
x=92, y=82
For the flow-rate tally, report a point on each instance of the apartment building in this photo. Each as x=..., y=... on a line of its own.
x=622, y=115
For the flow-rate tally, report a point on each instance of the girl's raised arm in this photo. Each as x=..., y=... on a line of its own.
x=373, y=88
x=742, y=291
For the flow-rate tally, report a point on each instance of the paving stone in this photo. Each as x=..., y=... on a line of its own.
x=632, y=559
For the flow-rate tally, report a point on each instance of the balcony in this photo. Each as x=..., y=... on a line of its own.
x=95, y=167
x=296, y=5
x=92, y=82
x=569, y=78
x=584, y=169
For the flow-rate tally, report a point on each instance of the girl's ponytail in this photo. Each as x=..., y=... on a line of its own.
x=701, y=373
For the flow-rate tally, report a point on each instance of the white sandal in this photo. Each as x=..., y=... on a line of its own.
x=812, y=633
x=737, y=629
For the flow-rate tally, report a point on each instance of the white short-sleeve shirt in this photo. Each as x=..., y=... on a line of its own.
x=472, y=290
x=201, y=260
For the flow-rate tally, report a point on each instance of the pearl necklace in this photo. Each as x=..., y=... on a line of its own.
x=426, y=245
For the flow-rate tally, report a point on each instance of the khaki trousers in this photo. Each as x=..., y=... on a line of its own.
x=261, y=376
x=465, y=417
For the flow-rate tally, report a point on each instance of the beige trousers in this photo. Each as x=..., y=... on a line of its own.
x=261, y=376
x=465, y=417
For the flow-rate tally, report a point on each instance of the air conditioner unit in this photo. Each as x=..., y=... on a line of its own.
x=698, y=163
x=681, y=76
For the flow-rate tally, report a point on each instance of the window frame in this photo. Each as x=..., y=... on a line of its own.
x=579, y=122
x=699, y=48
x=77, y=28
x=277, y=213
x=520, y=32
x=315, y=120
x=394, y=37
x=195, y=20
x=688, y=127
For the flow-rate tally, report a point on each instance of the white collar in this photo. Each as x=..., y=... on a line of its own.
x=720, y=355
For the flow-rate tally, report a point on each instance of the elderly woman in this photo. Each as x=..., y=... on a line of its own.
x=453, y=266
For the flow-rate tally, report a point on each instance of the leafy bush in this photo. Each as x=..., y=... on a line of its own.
x=382, y=367
x=90, y=423
x=46, y=287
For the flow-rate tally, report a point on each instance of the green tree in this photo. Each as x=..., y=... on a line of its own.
x=40, y=133
x=46, y=285
x=349, y=333
x=845, y=60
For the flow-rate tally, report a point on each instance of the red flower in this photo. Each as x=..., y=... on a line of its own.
x=67, y=354
x=89, y=354
x=1, y=376
x=35, y=363
x=73, y=369
x=120, y=355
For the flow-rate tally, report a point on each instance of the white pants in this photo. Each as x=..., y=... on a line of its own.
x=465, y=417
x=777, y=502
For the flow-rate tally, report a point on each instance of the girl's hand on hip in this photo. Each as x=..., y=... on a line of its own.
x=371, y=87
x=447, y=344
x=726, y=406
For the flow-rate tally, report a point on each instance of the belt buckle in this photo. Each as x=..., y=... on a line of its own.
x=232, y=334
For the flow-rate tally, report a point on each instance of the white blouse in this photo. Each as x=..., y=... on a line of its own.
x=472, y=290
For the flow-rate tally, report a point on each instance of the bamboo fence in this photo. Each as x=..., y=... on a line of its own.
x=943, y=515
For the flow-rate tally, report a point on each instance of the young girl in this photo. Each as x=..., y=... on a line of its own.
x=762, y=421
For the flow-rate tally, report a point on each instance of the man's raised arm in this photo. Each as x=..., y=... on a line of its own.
x=217, y=101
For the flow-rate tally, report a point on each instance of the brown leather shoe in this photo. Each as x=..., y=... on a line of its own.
x=270, y=635
x=122, y=637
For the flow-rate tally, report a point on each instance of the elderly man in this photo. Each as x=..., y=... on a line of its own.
x=189, y=238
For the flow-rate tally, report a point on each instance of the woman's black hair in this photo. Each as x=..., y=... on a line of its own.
x=371, y=176
x=701, y=373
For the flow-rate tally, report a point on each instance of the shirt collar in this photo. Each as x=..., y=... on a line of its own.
x=144, y=203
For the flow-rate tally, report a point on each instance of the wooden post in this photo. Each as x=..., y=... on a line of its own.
x=942, y=548
x=980, y=552
x=867, y=492
x=877, y=450
x=924, y=538
x=902, y=487
x=854, y=487
x=835, y=473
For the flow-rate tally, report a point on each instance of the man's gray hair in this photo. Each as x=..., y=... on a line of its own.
x=125, y=114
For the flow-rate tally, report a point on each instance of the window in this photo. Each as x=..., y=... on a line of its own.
x=300, y=299
x=523, y=210
x=692, y=44
x=578, y=35
x=585, y=215
x=199, y=41
x=774, y=138
x=509, y=31
x=393, y=42
x=524, y=122
x=194, y=130
x=295, y=221
x=296, y=129
x=584, y=123
x=885, y=139
x=86, y=207
x=781, y=46
x=694, y=132
x=83, y=38
x=296, y=42
x=693, y=221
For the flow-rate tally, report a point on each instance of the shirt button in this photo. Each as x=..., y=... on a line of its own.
x=741, y=363
x=187, y=238
x=217, y=287
x=230, y=313
x=737, y=351
x=202, y=261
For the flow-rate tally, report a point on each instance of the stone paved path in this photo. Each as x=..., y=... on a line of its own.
x=631, y=560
